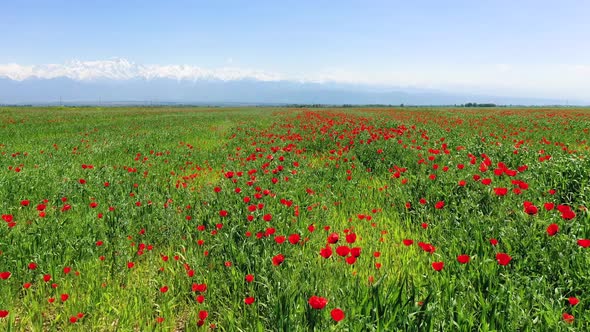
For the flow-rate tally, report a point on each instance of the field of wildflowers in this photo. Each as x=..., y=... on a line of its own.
x=256, y=219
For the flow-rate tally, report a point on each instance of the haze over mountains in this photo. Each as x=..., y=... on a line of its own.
x=121, y=81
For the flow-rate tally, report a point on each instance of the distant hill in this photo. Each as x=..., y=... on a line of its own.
x=247, y=91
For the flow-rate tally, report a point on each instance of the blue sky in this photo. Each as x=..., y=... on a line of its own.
x=531, y=48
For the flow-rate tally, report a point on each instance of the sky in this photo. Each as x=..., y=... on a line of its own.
x=513, y=48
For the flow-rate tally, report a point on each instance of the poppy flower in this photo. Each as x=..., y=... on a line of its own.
x=493, y=242
x=326, y=252
x=203, y=314
x=463, y=259
x=278, y=260
x=164, y=289
x=439, y=205
x=437, y=266
x=568, y=318
x=3, y=313
x=530, y=208
x=249, y=278
x=199, y=287
x=552, y=229
x=249, y=300
x=73, y=319
x=337, y=314
x=64, y=297
x=427, y=247
x=317, y=302
x=584, y=243
x=5, y=275
x=503, y=258
x=351, y=238
x=408, y=242
x=32, y=266
x=568, y=214
x=343, y=251
x=500, y=191
x=573, y=300
x=333, y=238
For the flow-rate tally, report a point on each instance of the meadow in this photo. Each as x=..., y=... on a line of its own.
x=278, y=219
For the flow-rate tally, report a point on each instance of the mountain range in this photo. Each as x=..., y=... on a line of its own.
x=239, y=91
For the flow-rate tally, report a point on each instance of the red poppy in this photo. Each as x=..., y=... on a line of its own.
x=503, y=258
x=343, y=251
x=249, y=278
x=427, y=247
x=164, y=289
x=249, y=300
x=64, y=297
x=437, y=266
x=408, y=242
x=199, y=288
x=333, y=238
x=5, y=275
x=573, y=300
x=439, y=205
x=317, y=302
x=294, y=238
x=500, y=191
x=337, y=314
x=530, y=208
x=584, y=243
x=3, y=313
x=552, y=229
x=568, y=318
x=73, y=319
x=493, y=242
x=463, y=259
x=278, y=260
x=32, y=266
x=351, y=237
x=326, y=252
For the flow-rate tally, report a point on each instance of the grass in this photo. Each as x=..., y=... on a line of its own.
x=161, y=213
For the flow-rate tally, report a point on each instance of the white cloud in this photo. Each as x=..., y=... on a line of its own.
x=122, y=69
x=531, y=80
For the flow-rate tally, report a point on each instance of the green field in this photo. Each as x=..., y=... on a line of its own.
x=266, y=219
